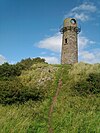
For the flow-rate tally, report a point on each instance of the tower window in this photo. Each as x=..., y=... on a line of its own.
x=66, y=40
x=73, y=21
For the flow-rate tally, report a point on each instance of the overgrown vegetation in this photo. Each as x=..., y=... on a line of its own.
x=12, y=90
x=26, y=91
x=25, y=64
x=85, y=78
x=15, y=92
x=77, y=109
x=8, y=71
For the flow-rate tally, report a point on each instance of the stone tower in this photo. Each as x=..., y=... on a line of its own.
x=70, y=30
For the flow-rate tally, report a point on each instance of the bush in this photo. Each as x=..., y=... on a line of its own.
x=90, y=85
x=9, y=71
x=13, y=91
x=25, y=64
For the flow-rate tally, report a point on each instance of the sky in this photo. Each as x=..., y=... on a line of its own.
x=30, y=28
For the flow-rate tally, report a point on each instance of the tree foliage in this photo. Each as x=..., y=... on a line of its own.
x=27, y=63
x=8, y=71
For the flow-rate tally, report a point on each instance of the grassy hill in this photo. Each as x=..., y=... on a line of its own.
x=26, y=99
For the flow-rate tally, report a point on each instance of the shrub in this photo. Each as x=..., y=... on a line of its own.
x=25, y=64
x=89, y=85
x=85, y=78
x=9, y=71
x=13, y=91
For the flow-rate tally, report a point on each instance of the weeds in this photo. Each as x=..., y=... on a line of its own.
x=74, y=112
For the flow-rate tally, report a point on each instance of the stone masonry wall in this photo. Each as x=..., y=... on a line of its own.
x=69, y=46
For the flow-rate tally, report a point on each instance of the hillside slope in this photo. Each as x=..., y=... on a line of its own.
x=75, y=110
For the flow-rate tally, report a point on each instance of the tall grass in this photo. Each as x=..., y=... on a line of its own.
x=76, y=113
x=73, y=112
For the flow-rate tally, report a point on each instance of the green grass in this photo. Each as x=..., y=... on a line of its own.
x=73, y=111
x=74, y=114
